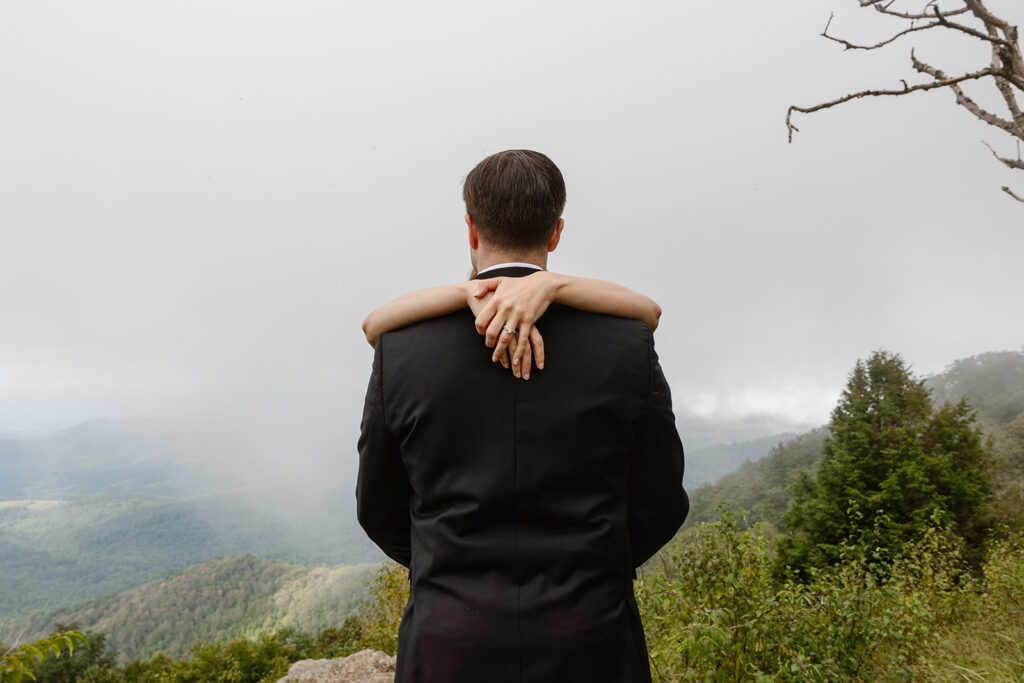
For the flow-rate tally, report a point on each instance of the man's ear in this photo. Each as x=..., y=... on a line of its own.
x=555, y=236
x=474, y=236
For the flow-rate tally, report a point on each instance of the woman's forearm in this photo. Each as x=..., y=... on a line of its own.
x=600, y=296
x=529, y=295
x=416, y=306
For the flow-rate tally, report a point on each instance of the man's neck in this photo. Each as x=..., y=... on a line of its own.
x=488, y=260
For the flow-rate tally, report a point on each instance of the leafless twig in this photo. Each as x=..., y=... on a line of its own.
x=931, y=85
x=1006, y=67
x=1010, y=192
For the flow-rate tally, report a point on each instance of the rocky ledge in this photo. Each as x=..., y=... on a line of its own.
x=365, y=666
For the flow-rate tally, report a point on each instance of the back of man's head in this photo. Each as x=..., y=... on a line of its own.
x=515, y=198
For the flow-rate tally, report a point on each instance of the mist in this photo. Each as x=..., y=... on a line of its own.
x=199, y=203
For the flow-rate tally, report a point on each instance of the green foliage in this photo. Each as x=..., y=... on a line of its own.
x=713, y=611
x=341, y=641
x=86, y=663
x=382, y=613
x=17, y=663
x=986, y=642
x=703, y=601
x=264, y=660
x=889, y=455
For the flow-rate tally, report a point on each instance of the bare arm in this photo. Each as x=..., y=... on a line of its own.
x=518, y=302
x=515, y=303
x=419, y=305
x=532, y=295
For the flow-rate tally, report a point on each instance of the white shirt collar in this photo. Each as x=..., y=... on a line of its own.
x=517, y=264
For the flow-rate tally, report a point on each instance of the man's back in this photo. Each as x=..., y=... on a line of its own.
x=521, y=507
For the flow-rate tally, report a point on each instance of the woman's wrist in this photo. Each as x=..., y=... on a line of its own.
x=556, y=285
x=469, y=290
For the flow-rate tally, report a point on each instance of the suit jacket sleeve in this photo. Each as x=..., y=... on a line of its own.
x=657, y=502
x=382, y=487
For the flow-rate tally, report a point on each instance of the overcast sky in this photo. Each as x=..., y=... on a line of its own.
x=200, y=201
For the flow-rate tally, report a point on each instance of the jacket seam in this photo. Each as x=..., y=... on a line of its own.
x=515, y=526
x=380, y=385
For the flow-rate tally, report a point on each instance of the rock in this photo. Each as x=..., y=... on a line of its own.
x=365, y=666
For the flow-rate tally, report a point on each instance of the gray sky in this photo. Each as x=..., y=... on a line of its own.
x=199, y=201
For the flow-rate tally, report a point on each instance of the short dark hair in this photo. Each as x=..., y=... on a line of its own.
x=515, y=198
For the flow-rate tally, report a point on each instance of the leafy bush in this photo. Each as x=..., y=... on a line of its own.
x=712, y=610
x=382, y=613
x=703, y=601
x=987, y=642
x=17, y=662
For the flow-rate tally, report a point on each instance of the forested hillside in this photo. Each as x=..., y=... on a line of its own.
x=760, y=487
x=120, y=503
x=84, y=547
x=707, y=464
x=219, y=599
x=993, y=384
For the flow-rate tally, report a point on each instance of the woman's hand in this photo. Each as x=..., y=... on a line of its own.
x=516, y=303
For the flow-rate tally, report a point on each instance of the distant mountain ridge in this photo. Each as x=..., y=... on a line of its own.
x=91, y=546
x=700, y=432
x=144, y=497
x=708, y=464
x=218, y=599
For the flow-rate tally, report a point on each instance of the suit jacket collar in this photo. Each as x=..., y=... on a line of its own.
x=508, y=271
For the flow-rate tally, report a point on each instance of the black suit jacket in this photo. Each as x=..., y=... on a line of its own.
x=520, y=507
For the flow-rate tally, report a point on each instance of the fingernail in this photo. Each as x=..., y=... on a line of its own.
x=527, y=376
x=540, y=365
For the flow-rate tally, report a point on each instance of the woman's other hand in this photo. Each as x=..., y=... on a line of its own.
x=514, y=304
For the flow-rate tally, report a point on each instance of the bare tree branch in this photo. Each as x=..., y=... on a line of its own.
x=962, y=99
x=979, y=10
x=853, y=46
x=946, y=82
x=1006, y=66
x=884, y=9
x=1010, y=192
x=1003, y=85
x=990, y=37
x=1017, y=163
x=1012, y=57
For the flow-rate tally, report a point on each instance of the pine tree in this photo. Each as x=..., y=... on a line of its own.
x=890, y=465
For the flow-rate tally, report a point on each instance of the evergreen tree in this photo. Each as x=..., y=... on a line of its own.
x=890, y=465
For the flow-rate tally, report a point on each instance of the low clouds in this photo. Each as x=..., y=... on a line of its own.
x=199, y=204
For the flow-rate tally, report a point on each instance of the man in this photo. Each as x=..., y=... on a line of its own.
x=520, y=508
